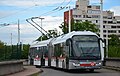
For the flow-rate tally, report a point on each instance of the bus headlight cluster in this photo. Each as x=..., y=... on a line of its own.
x=98, y=64
x=74, y=64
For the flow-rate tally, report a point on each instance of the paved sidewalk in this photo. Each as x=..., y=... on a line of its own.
x=29, y=70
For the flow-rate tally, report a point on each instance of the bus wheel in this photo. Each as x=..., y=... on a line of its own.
x=91, y=70
x=37, y=66
x=63, y=64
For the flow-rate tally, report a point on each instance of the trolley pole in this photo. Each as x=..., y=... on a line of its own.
x=41, y=27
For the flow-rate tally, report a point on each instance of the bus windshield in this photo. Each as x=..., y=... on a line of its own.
x=86, y=47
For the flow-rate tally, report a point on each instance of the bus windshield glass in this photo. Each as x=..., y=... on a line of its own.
x=86, y=47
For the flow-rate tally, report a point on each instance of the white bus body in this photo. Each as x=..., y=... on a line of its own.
x=75, y=50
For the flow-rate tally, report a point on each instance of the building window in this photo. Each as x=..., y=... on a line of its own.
x=96, y=21
x=88, y=6
x=88, y=16
x=111, y=31
x=97, y=7
x=103, y=26
x=79, y=15
x=104, y=21
x=84, y=16
x=95, y=16
x=113, y=26
x=118, y=21
x=104, y=31
x=109, y=17
x=109, y=22
x=105, y=17
x=93, y=12
x=118, y=26
x=104, y=35
x=77, y=5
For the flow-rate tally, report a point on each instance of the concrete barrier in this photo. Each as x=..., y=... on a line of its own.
x=9, y=67
x=113, y=62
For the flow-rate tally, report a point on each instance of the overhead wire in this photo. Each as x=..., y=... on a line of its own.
x=54, y=8
x=47, y=13
x=60, y=8
x=28, y=9
x=44, y=13
x=12, y=14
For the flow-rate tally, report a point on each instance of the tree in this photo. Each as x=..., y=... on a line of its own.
x=114, y=43
x=1, y=44
x=25, y=51
x=1, y=50
x=51, y=34
x=114, y=40
x=64, y=28
x=80, y=26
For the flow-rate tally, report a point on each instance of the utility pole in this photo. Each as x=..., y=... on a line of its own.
x=101, y=27
x=18, y=32
x=11, y=38
x=101, y=19
x=107, y=43
x=69, y=20
x=41, y=27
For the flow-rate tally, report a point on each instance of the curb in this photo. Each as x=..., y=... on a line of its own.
x=112, y=68
x=35, y=74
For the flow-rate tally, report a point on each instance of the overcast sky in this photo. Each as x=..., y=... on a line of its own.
x=12, y=10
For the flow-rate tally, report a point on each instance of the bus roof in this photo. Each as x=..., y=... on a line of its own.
x=61, y=38
x=41, y=43
x=64, y=37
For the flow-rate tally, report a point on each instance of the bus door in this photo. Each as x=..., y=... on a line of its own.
x=42, y=58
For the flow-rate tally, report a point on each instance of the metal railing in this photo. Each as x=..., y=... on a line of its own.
x=10, y=52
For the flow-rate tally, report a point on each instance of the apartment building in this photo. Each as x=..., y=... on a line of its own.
x=83, y=11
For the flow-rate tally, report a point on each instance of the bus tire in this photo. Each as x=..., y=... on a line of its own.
x=91, y=70
x=63, y=64
x=37, y=66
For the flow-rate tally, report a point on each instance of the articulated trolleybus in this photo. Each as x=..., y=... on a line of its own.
x=75, y=50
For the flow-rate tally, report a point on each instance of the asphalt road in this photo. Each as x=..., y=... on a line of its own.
x=59, y=72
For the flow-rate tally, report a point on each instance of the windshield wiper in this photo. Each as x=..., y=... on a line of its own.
x=89, y=55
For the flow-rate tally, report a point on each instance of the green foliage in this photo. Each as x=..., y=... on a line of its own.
x=64, y=28
x=114, y=40
x=113, y=48
x=79, y=26
x=1, y=50
x=114, y=51
x=51, y=34
x=25, y=51
x=8, y=52
x=1, y=44
x=43, y=37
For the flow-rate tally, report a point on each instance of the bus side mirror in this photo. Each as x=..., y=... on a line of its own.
x=68, y=41
x=103, y=42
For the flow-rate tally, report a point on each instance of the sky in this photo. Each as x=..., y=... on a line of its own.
x=13, y=10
